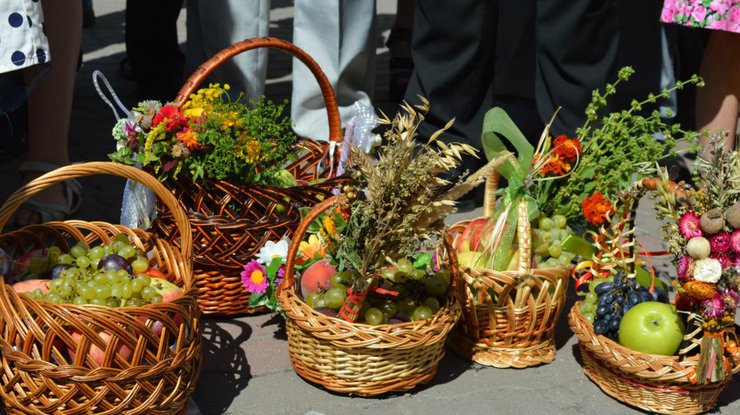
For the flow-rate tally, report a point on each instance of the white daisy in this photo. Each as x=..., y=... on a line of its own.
x=273, y=250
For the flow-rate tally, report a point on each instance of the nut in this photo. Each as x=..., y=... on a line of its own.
x=712, y=221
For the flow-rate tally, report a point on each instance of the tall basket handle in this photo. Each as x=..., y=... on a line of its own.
x=74, y=171
x=315, y=212
x=206, y=68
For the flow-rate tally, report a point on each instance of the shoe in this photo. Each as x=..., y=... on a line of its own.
x=49, y=212
x=399, y=68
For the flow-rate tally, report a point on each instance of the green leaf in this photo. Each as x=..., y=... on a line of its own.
x=423, y=261
x=258, y=299
x=272, y=269
x=644, y=278
x=588, y=172
x=498, y=126
x=589, y=187
x=579, y=246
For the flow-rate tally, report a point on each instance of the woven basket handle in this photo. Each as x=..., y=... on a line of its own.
x=524, y=237
x=74, y=171
x=205, y=69
x=289, y=277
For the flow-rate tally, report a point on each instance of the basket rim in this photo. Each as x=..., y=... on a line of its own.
x=577, y=322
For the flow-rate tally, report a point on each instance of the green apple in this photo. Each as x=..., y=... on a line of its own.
x=653, y=328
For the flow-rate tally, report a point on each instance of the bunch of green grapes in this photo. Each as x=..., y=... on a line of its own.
x=111, y=275
x=546, y=242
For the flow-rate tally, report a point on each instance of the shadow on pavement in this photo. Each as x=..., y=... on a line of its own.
x=226, y=371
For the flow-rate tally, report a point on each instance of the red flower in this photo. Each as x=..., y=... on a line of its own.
x=172, y=115
x=596, y=208
x=567, y=148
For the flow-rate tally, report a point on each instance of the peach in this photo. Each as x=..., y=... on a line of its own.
x=317, y=276
x=31, y=285
x=97, y=354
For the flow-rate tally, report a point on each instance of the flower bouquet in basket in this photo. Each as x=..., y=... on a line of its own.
x=92, y=298
x=236, y=167
x=372, y=307
x=561, y=181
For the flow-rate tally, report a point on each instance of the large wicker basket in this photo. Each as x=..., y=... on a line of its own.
x=516, y=328
x=232, y=222
x=47, y=367
x=360, y=359
x=660, y=384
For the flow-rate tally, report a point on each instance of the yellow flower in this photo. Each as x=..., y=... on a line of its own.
x=330, y=227
x=155, y=134
x=311, y=249
x=193, y=113
x=250, y=151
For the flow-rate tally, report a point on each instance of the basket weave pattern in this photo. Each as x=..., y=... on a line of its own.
x=515, y=326
x=651, y=382
x=232, y=222
x=361, y=359
x=69, y=359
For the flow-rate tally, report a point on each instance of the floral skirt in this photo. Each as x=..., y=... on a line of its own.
x=709, y=14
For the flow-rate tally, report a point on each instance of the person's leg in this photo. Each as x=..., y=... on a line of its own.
x=453, y=51
x=717, y=102
x=50, y=104
x=152, y=47
x=339, y=35
x=400, y=64
x=215, y=25
x=577, y=51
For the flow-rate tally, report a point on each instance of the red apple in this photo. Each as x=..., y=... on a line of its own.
x=97, y=354
x=465, y=241
x=31, y=285
x=20, y=265
x=317, y=276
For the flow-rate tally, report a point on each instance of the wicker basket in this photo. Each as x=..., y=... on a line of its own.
x=232, y=222
x=39, y=376
x=361, y=359
x=516, y=328
x=651, y=382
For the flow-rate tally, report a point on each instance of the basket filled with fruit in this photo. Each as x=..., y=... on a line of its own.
x=99, y=318
x=237, y=168
x=635, y=345
x=372, y=312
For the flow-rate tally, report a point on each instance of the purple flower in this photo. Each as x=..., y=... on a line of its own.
x=713, y=307
x=730, y=298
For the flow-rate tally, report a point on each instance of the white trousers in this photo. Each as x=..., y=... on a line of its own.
x=338, y=34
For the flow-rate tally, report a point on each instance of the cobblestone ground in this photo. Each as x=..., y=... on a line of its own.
x=247, y=370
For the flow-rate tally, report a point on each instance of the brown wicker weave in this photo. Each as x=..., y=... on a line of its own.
x=46, y=364
x=361, y=359
x=651, y=382
x=231, y=222
x=516, y=329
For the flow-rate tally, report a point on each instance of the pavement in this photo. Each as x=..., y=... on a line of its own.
x=246, y=367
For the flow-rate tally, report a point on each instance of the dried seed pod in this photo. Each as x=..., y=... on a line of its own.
x=698, y=248
x=712, y=221
x=733, y=216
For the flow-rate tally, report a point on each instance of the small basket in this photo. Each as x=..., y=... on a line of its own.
x=38, y=374
x=360, y=359
x=517, y=329
x=226, y=238
x=654, y=383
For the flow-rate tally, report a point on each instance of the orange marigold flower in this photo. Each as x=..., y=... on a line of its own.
x=596, y=208
x=555, y=166
x=189, y=138
x=567, y=148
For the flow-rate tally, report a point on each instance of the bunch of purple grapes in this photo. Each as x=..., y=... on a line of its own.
x=618, y=297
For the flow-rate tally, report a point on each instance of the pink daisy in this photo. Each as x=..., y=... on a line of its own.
x=254, y=278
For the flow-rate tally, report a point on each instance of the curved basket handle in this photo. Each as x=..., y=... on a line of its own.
x=489, y=194
x=289, y=277
x=74, y=171
x=205, y=69
x=524, y=238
